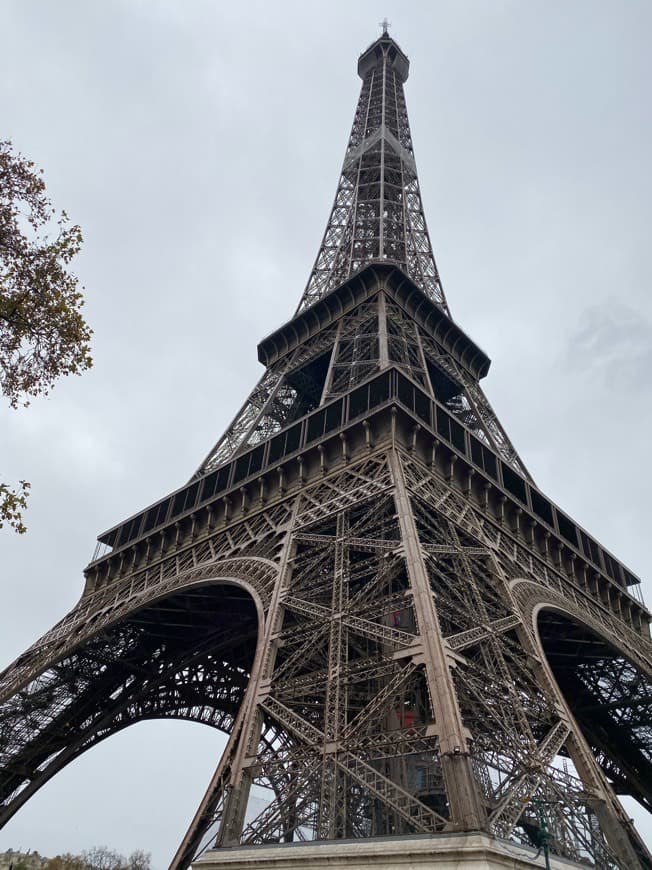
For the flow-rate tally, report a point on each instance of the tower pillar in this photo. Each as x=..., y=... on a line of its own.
x=466, y=809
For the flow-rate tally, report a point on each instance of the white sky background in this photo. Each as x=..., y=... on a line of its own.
x=198, y=144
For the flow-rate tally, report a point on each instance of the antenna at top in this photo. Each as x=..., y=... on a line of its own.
x=385, y=25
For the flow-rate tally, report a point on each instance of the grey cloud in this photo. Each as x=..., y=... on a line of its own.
x=613, y=343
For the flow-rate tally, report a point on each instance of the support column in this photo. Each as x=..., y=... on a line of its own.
x=467, y=811
x=245, y=751
x=332, y=809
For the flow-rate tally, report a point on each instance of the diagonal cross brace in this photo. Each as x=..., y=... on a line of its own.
x=381, y=698
x=421, y=817
x=464, y=639
x=509, y=810
x=364, y=627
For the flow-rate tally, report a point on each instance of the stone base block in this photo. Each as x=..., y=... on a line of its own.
x=422, y=852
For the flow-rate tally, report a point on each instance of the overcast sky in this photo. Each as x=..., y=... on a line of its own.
x=198, y=144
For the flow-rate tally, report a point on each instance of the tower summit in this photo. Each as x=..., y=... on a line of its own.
x=416, y=654
x=377, y=215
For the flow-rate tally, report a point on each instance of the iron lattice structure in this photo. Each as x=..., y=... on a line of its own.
x=377, y=213
x=361, y=585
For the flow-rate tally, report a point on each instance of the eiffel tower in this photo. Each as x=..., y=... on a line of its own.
x=403, y=637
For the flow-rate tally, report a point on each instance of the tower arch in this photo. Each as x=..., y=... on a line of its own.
x=609, y=695
x=186, y=653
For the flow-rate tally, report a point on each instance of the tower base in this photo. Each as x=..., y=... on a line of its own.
x=422, y=852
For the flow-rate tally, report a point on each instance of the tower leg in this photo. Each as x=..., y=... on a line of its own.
x=244, y=749
x=466, y=810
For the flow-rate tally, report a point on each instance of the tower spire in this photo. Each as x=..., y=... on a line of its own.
x=377, y=214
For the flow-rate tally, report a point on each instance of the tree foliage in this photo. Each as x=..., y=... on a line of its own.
x=12, y=504
x=101, y=858
x=65, y=862
x=43, y=334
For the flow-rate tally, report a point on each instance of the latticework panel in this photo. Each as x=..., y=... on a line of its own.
x=403, y=345
x=357, y=350
x=285, y=392
x=464, y=396
x=335, y=680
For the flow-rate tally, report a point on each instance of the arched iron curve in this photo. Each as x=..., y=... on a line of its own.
x=139, y=705
x=87, y=619
x=608, y=757
x=532, y=597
